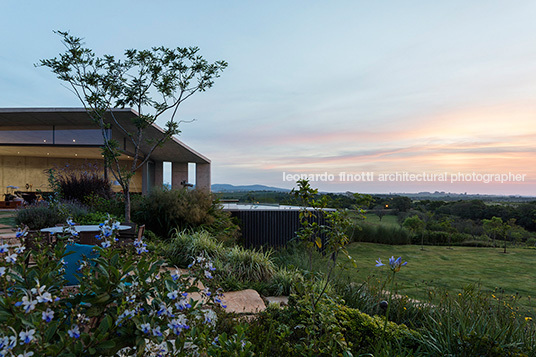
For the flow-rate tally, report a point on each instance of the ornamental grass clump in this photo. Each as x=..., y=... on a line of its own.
x=125, y=303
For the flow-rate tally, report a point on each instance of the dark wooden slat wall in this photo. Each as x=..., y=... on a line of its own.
x=270, y=228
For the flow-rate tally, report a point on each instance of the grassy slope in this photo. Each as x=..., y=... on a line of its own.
x=450, y=268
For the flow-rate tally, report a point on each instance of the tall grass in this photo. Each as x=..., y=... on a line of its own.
x=236, y=267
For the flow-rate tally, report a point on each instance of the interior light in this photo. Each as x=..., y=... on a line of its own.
x=45, y=141
x=75, y=154
x=74, y=141
x=48, y=153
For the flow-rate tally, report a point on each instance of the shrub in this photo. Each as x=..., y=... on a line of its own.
x=283, y=281
x=94, y=218
x=249, y=265
x=371, y=233
x=164, y=210
x=237, y=267
x=124, y=305
x=48, y=214
x=77, y=183
x=38, y=216
x=115, y=205
x=332, y=330
x=186, y=245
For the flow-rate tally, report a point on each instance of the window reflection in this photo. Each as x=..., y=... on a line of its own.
x=31, y=136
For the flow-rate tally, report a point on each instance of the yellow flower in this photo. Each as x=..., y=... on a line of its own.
x=528, y=318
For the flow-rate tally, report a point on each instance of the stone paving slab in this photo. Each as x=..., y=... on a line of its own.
x=244, y=302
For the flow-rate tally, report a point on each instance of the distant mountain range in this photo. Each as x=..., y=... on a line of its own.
x=245, y=188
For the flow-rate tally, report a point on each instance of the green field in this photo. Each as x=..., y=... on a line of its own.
x=387, y=220
x=452, y=269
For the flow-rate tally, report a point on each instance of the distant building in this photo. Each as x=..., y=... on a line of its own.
x=33, y=140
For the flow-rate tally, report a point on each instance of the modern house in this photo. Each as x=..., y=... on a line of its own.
x=33, y=140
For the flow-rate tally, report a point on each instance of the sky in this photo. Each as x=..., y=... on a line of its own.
x=361, y=96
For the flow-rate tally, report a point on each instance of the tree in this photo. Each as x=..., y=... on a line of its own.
x=493, y=227
x=401, y=203
x=154, y=82
x=415, y=225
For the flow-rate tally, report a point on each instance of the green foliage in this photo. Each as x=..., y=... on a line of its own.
x=237, y=268
x=115, y=205
x=44, y=214
x=124, y=304
x=383, y=234
x=38, y=216
x=332, y=329
x=164, y=210
x=284, y=281
x=474, y=322
x=93, y=218
x=248, y=265
x=186, y=245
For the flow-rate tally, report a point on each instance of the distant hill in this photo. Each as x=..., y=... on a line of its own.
x=245, y=188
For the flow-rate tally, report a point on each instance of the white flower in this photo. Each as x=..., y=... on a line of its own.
x=2, y=271
x=12, y=258
x=20, y=249
x=4, y=248
x=26, y=354
x=28, y=304
x=46, y=297
x=26, y=336
x=173, y=295
x=106, y=244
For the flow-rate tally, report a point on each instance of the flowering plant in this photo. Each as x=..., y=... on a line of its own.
x=127, y=302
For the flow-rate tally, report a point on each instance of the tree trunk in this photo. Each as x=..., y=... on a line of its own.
x=126, y=192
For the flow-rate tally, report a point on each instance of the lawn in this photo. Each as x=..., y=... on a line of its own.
x=450, y=268
x=6, y=217
x=387, y=220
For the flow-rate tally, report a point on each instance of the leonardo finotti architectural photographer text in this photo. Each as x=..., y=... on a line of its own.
x=370, y=176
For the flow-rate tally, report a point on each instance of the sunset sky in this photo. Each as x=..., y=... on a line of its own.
x=312, y=87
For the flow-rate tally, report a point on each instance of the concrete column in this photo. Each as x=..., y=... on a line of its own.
x=179, y=174
x=202, y=176
x=158, y=173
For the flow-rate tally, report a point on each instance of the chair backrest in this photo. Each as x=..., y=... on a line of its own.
x=141, y=230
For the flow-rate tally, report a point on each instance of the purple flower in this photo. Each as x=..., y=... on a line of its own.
x=74, y=332
x=394, y=264
x=48, y=315
x=145, y=328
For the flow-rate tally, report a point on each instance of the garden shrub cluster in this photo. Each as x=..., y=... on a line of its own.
x=236, y=266
x=80, y=182
x=164, y=210
x=125, y=304
x=331, y=329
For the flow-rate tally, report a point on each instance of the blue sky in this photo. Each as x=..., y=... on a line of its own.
x=321, y=87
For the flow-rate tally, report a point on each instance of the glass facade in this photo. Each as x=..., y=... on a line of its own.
x=51, y=135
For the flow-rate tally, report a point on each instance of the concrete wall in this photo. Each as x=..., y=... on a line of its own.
x=20, y=170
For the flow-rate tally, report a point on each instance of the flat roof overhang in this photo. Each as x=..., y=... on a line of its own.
x=172, y=150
